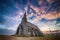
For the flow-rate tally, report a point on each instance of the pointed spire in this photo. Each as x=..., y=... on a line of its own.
x=24, y=19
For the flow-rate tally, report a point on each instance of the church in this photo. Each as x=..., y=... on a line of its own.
x=26, y=28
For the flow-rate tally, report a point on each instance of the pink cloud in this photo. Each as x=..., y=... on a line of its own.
x=51, y=15
x=41, y=13
x=20, y=13
x=35, y=8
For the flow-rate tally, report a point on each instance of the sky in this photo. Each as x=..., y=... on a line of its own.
x=45, y=14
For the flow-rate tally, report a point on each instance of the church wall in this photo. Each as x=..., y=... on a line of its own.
x=24, y=28
x=28, y=31
x=19, y=30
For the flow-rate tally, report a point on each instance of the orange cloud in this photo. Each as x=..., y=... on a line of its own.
x=41, y=10
x=41, y=13
x=52, y=15
x=35, y=8
x=48, y=16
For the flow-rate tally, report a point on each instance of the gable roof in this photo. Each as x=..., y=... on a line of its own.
x=32, y=25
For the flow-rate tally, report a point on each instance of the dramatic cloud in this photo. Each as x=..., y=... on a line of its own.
x=52, y=15
x=43, y=13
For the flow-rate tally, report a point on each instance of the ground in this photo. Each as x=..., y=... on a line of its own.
x=29, y=38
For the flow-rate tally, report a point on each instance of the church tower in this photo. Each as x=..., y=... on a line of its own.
x=24, y=19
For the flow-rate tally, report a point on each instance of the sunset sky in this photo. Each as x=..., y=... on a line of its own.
x=45, y=14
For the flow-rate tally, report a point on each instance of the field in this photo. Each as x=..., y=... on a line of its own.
x=29, y=38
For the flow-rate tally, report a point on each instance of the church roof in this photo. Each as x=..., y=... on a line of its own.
x=32, y=25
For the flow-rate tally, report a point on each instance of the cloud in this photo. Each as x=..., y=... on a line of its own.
x=40, y=2
x=42, y=13
x=21, y=13
x=48, y=16
x=51, y=15
x=14, y=27
x=35, y=8
x=45, y=26
x=12, y=11
x=2, y=20
x=2, y=26
x=49, y=1
x=57, y=24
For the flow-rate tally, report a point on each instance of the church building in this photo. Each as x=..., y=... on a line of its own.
x=28, y=29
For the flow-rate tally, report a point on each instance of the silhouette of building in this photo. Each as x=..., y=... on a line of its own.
x=28, y=29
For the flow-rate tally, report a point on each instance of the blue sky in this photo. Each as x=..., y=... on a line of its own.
x=43, y=13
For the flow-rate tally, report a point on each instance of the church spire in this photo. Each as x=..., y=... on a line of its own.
x=24, y=19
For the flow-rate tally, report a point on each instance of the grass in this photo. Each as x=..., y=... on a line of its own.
x=42, y=38
x=30, y=38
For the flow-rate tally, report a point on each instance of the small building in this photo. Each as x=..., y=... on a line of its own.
x=28, y=29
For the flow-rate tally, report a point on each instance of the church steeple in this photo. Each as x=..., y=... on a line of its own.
x=24, y=19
